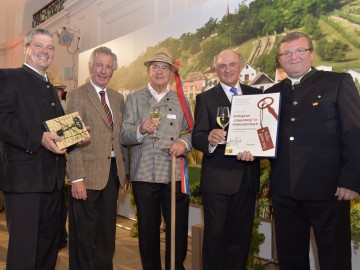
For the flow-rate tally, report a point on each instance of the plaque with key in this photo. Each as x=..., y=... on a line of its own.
x=70, y=126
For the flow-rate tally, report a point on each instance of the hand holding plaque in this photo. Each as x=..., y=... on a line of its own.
x=70, y=127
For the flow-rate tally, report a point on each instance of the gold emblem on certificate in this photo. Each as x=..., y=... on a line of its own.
x=70, y=127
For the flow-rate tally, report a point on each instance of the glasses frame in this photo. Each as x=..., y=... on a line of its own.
x=298, y=52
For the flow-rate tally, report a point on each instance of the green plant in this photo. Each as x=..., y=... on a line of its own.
x=253, y=261
x=355, y=222
x=134, y=232
x=195, y=196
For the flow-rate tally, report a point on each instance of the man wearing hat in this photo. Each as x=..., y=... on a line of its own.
x=150, y=164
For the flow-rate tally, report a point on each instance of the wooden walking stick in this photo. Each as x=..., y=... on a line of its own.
x=173, y=211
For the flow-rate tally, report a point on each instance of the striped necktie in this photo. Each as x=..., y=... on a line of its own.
x=106, y=109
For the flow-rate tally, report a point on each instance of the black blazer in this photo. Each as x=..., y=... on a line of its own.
x=319, y=137
x=219, y=173
x=26, y=101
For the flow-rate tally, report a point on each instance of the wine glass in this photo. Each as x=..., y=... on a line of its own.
x=155, y=114
x=222, y=118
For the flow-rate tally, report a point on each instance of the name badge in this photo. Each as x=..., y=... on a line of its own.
x=171, y=116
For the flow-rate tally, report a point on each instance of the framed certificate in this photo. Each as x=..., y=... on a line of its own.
x=253, y=125
x=70, y=127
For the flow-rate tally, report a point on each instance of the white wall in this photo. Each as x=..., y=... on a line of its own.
x=94, y=21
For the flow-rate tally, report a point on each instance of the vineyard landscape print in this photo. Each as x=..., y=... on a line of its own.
x=252, y=28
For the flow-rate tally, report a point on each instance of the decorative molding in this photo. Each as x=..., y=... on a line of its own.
x=47, y=12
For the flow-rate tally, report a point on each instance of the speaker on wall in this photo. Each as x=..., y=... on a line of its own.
x=65, y=37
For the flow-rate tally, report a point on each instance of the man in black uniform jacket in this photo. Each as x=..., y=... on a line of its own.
x=317, y=171
x=32, y=168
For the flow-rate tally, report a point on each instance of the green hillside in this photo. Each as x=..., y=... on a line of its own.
x=261, y=20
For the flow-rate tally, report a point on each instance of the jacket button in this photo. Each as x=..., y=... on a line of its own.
x=295, y=103
x=292, y=138
x=292, y=119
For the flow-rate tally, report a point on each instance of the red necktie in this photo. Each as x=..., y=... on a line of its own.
x=106, y=109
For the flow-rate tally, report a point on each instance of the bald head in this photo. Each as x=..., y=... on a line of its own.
x=228, y=67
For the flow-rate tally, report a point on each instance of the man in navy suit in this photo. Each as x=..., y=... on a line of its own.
x=228, y=184
x=317, y=171
x=32, y=168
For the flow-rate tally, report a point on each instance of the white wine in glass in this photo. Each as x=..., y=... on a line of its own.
x=155, y=114
x=222, y=118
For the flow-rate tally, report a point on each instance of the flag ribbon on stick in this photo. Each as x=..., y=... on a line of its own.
x=187, y=112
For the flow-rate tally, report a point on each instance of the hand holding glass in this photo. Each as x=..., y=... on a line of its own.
x=222, y=118
x=155, y=114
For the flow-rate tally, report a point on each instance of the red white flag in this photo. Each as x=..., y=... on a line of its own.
x=227, y=10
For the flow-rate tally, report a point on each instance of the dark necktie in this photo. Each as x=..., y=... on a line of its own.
x=106, y=109
x=234, y=91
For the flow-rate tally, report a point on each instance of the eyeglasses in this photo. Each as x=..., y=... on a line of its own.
x=157, y=67
x=298, y=52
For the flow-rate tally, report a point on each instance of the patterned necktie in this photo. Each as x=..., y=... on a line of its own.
x=106, y=109
x=234, y=91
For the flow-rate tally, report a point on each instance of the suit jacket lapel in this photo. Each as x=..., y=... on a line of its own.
x=244, y=89
x=150, y=98
x=222, y=97
x=96, y=102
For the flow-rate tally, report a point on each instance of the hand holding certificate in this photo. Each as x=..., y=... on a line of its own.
x=253, y=125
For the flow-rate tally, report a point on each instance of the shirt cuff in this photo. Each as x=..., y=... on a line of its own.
x=187, y=145
x=212, y=148
x=140, y=137
x=77, y=180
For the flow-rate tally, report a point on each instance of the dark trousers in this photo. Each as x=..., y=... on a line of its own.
x=33, y=221
x=331, y=223
x=151, y=200
x=228, y=221
x=92, y=226
x=63, y=231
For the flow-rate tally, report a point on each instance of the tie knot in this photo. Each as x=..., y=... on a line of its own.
x=234, y=91
x=102, y=93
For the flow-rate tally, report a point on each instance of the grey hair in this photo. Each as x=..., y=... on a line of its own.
x=235, y=52
x=294, y=36
x=38, y=31
x=106, y=51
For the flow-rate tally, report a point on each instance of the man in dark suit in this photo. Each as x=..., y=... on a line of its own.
x=317, y=170
x=96, y=170
x=228, y=184
x=32, y=169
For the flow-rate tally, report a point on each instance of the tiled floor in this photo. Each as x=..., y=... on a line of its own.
x=126, y=254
